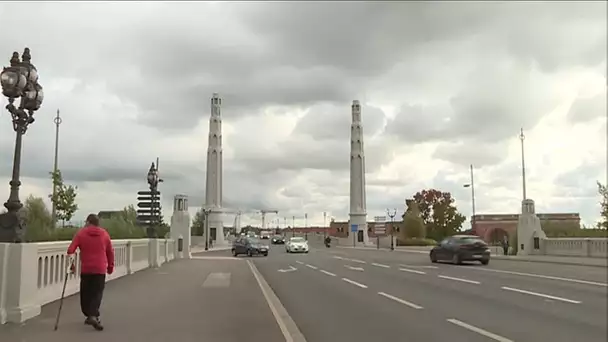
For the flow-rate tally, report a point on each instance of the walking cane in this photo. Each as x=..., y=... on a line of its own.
x=65, y=283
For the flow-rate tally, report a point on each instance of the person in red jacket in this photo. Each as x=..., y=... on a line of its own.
x=96, y=259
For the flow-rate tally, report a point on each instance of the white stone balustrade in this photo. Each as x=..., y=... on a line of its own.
x=581, y=247
x=32, y=274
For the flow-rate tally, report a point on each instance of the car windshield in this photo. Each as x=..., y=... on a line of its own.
x=297, y=239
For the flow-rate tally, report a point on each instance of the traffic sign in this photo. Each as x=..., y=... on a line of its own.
x=148, y=193
x=149, y=204
x=354, y=228
x=380, y=225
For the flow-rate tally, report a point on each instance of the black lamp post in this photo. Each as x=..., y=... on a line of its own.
x=153, y=181
x=19, y=81
x=392, y=216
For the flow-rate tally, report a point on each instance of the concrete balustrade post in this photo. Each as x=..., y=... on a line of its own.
x=18, y=282
x=129, y=257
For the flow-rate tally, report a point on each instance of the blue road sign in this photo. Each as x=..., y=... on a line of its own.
x=354, y=228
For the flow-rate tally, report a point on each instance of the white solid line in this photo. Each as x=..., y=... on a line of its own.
x=328, y=273
x=541, y=295
x=299, y=262
x=354, y=283
x=288, y=327
x=479, y=330
x=460, y=279
x=399, y=300
x=579, y=281
x=358, y=261
x=311, y=266
x=380, y=265
x=411, y=271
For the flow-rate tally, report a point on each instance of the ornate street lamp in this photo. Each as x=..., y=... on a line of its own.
x=392, y=214
x=153, y=183
x=19, y=81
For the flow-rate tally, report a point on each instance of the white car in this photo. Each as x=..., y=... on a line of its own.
x=296, y=245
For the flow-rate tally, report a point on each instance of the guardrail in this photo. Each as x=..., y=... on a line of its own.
x=32, y=274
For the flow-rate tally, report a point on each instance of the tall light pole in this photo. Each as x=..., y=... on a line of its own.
x=293, y=225
x=522, y=137
x=392, y=216
x=324, y=225
x=19, y=81
x=57, y=121
x=306, y=226
x=472, y=186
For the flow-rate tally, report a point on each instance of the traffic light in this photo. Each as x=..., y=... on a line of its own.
x=149, y=208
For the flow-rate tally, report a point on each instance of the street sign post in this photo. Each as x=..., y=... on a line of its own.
x=379, y=228
x=149, y=207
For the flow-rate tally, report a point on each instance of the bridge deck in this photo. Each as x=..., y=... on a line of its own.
x=185, y=300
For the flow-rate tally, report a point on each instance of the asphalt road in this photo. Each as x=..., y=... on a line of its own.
x=342, y=295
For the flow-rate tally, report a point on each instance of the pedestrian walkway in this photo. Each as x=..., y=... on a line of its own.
x=185, y=300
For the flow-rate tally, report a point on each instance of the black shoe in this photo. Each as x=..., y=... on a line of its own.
x=96, y=323
x=89, y=321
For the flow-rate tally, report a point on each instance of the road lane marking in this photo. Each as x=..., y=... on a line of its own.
x=290, y=269
x=338, y=257
x=311, y=266
x=579, y=281
x=288, y=327
x=460, y=279
x=360, y=269
x=411, y=271
x=417, y=266
x=354, y=283
x=399, y=300
x=328, y=273
x=541, y=295
x=479, y=330
x=380, y=265
x=357, y=261
x=299, y=262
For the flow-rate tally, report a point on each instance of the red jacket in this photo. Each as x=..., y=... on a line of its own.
x=96, y=252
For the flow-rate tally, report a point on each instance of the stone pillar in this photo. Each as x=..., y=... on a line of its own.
x=18, y=282
x=528, y=228
x=180, y=224
x=358, y=206
x=214, y=182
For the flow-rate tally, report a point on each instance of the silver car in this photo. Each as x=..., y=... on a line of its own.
x=296, y=245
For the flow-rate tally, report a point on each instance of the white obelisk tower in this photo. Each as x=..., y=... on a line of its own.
x=213, y=196
x=358, y=207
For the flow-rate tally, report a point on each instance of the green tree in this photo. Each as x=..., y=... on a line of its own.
x=413, y=225
x=603, y=192
x=64, y=198
x=198, y=223
x=129, y=214
x=37, y=219
x=438, y=212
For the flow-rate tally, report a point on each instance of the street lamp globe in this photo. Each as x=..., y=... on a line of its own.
x=13, y=81
x=33, y=98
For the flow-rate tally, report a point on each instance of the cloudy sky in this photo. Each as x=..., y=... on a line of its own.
x=442, y=85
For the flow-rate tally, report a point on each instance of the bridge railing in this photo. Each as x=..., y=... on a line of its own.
x=32, y=274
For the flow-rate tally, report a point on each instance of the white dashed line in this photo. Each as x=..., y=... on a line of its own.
x=399, y=300
x=541, y=295
x=338, y=257
x=460, y=279
x=354, y=283
x=311, y=266
x=479, y=330
x=380, y=265
x=299, y=262
x=360, y=269
x=578, y=281
x=417, y=266
x=411, y=271
x=357, y=261
x=328, y=273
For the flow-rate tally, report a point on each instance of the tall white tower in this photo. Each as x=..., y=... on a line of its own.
x=180, y=224
x=213, y=196
x=358, y=207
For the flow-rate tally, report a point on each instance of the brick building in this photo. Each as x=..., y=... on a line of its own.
x=493, y=227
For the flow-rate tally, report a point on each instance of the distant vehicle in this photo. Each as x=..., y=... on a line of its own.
x=278, y=240
x=250, y=246
x=459, y=248
x=296, y=245
x=265, y=235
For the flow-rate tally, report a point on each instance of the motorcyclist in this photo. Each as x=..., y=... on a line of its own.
x=327, y=241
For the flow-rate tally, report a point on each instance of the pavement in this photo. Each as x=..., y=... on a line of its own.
x=341, y=295
x=198, y=300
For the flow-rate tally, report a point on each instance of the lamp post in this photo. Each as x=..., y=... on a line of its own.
x=293, y=226
x=324, y=225
x=19, y=81
x=153, y=181
x=206, y=227
x=306, y=226
x=522, y=137
x=392, y=216
x=472, y=186
x=57, y=121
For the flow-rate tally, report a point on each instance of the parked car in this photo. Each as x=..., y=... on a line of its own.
x=278, y=240
x=250, y=246
x=459, y=248
x=296, y=245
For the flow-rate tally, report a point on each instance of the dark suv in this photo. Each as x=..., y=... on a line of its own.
x=250, y=246
x=459, y=248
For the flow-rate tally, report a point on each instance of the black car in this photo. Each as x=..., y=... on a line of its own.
x=250, y=246
x=459, y=248
x=278, y=240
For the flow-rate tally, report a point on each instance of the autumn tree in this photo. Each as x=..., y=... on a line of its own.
x=64, y=198
x=413, y=225
x=603, y=192
x=438, y=212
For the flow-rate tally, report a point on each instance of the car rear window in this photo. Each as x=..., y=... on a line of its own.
x=470, y=240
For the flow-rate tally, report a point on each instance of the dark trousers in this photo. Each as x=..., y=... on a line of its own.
x=91, y=293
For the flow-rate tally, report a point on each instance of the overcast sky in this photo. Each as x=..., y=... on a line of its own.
x=442, y=86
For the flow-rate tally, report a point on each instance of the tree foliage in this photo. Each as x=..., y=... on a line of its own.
x=64, y=198
x=413, y=225
x=438, y=212
x=603, y=192
x=198, y=223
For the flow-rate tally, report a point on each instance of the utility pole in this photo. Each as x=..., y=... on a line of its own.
x=306, y=226
x=324, y=224
x=293, y=225
x=57, y=121
x=522, y=137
